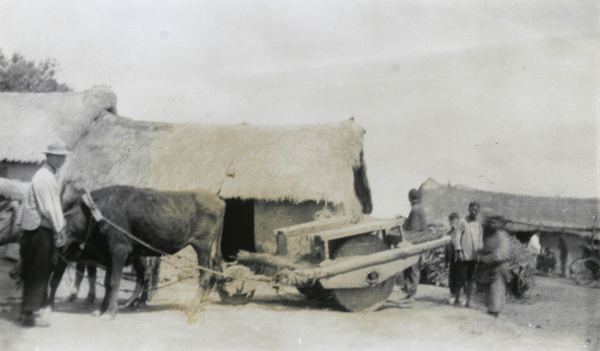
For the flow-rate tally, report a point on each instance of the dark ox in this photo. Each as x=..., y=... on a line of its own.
x=168, y=221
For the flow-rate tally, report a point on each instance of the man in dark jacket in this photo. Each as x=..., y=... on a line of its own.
x=414, y=225
x=492, y=267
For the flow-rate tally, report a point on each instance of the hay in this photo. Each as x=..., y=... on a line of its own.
x=276, y=163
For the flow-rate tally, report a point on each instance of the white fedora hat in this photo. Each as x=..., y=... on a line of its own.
x=57, y=147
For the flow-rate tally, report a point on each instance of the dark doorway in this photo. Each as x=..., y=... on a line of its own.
x=238, y=228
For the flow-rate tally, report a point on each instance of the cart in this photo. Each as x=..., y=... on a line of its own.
x=585, y=270
x=348, y=259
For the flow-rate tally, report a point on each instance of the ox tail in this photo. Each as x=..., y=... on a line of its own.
x=216, y=256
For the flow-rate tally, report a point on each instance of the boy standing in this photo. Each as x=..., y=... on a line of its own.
x=469, y=242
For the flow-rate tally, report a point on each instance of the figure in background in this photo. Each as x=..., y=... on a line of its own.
x=564, y=253
x=42, y=218
x=451, y=255
x=414, y=226
x=468, y=243
x=534, y=247
x=492, y=267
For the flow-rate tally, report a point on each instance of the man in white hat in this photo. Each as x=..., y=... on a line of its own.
x=42, y=218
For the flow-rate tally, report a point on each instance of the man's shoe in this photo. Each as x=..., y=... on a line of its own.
x=29, y=322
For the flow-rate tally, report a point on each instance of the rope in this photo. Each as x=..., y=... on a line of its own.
x=100, y=217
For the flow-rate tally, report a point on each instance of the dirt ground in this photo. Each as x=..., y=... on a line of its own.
x=558, y=316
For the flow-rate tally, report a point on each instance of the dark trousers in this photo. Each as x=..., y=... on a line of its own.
x=495, y=293
x=465, y=277
x=452, y=277
x=451, y=260
x=37, y=250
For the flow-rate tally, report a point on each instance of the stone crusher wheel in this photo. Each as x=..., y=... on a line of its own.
x=236, y=291
x=369, y=298
x=585, y=270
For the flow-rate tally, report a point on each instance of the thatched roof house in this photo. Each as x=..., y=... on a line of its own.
x=525, y=213
x=29, y=121
x=270, y=176
x=551, y=217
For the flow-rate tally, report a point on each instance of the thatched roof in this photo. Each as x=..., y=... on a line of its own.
x=296, y=163
x=28, y=122
x=525, y=213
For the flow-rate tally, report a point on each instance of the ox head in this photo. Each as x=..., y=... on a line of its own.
x=77, y=216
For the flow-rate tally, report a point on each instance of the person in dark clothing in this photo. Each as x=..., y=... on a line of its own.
x=492, y=267
x=414, y=225
x=41, y=219
x=564, y=253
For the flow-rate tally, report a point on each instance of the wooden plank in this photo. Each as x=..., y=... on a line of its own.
x=361, y=228
x=331, y=268
x=315, y=226
x=357, y=278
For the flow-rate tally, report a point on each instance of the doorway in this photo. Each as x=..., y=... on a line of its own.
x=238, y=228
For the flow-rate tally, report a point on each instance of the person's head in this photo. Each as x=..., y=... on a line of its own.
x=413, y=195
x=473, y=209
x=492, y=224
x=56, y=153
x=453, y=219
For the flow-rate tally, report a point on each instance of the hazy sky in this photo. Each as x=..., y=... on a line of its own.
x=495, y=95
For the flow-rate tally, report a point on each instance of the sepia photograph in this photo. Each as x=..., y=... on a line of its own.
x=299, y=175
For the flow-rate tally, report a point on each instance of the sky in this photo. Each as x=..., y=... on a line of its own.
x=498, y=96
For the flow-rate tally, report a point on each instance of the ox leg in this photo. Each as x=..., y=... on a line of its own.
x=112, y=287
x=206, y=281
x=59, y=270
x=79, y=273
x=92, y=273
x=104, y=304
x=140, y=269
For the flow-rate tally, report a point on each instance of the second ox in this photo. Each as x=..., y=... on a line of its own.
x=167, y=221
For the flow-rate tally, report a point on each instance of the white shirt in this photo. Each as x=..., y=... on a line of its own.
x=41, y=206
x=470, y=239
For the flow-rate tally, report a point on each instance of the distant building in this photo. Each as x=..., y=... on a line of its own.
x=550, y=216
